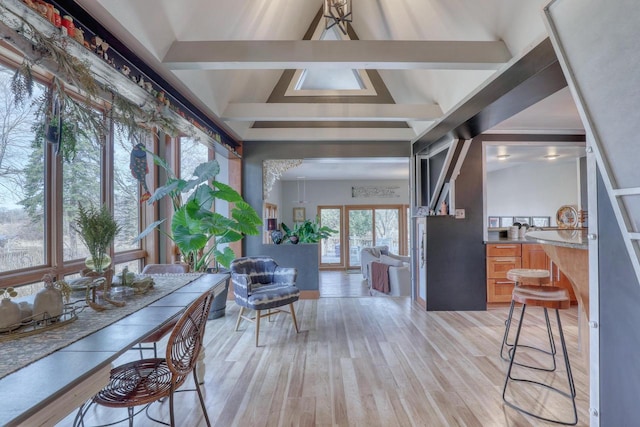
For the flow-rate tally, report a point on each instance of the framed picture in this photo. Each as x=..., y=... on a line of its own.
x=540, y=221
x=494, y=222
x=506, y=221
x=299, y=215
x=522, y=219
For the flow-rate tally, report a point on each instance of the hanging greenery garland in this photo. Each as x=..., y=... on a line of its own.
x=52, y=50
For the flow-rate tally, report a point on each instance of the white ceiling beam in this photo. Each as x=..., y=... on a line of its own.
x=356, y=54
x=250, y=112
x=329, y=134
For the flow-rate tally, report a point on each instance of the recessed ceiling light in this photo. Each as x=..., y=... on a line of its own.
x=503, y=156
x=552, y=156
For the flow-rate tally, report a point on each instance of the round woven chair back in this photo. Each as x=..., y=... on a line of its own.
x=185, y=341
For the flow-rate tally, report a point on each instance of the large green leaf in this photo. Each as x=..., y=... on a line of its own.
x=225, y=257
x=148, y=230
x=204, y=195
x=187, y=240
x=227, y=193
x=172, y=186
x=207, y=171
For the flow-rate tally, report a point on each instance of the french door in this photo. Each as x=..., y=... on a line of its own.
x=360, y=226
x=374, y=226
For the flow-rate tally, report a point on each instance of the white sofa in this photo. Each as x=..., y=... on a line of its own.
x=399, y=270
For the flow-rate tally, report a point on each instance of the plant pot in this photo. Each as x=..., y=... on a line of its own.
x=219, y=303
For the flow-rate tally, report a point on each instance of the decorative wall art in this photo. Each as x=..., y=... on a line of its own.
x=299, y=215
x=375, y=191
x=540, y=221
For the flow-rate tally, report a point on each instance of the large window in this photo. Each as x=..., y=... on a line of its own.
x=80, y=185
x=22, y=173
x=126, y=191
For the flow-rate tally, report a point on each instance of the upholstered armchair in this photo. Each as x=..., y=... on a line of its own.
x=397, y=268
x=260, y=284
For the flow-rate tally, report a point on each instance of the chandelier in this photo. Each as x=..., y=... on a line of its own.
x=337, y=12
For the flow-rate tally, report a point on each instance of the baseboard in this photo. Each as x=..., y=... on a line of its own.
x=309, y=294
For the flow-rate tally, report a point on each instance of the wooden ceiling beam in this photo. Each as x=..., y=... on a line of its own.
x=355, y=54
x=330, y=111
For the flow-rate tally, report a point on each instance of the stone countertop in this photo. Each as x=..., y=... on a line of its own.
x=493, y=240
x=571, y=238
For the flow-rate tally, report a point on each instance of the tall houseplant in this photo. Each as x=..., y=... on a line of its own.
x=198, y=232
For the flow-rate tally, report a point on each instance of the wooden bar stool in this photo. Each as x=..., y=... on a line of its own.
x=547, y=297
x=521, y=276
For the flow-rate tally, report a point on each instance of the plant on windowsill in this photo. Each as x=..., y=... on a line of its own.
x=97, y=229
x=198, y=232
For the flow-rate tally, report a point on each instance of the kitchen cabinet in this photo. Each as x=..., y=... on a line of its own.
x=502, y=257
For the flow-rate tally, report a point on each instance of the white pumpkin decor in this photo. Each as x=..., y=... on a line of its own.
x=9, y=310
x=48, y=302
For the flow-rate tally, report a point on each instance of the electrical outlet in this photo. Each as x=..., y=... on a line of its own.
x=460, y=213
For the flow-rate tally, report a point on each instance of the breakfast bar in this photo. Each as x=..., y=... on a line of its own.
x=51, y=384
x=568, y=249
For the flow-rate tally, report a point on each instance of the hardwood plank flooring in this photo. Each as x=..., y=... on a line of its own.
x=342, y=284
x=370, y=361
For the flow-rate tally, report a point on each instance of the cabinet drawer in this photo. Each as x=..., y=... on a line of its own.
x=499, y=290
x=497, y=267
x=504, y=249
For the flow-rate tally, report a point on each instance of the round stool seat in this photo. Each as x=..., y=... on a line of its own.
x=542, y=296
x=529, y=275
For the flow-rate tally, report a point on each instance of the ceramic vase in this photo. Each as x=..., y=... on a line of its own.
x=48, y=304
x=9, y=314
x=277, y=236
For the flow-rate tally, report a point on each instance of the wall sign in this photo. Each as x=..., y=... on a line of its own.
x=375, y=191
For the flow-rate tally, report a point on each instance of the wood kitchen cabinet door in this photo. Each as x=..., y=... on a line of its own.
x=497, y=267
x=533, y=256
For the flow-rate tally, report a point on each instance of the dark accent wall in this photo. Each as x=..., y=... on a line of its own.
x=619, y=322
x=456, y=268
x=304, y=257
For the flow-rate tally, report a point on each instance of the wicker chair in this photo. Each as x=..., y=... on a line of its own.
x=161, y=332
x=260, y=284
x=145, y=381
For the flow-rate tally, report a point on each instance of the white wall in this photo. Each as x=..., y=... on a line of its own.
x=333, y=193
x=533, y=189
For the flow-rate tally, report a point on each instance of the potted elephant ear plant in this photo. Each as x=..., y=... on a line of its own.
x=201, y=234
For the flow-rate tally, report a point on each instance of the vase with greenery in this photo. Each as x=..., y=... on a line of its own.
x=97, y=229
x=198, y=232
x=308, y=231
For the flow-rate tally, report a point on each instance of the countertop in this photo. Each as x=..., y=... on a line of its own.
x=570, y=238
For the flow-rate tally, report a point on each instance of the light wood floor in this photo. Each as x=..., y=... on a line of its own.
x=341, y=284
x=366, y=362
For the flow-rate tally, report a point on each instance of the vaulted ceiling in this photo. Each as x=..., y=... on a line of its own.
x=234, y=59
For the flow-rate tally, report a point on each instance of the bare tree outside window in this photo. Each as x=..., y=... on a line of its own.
x=21, y=203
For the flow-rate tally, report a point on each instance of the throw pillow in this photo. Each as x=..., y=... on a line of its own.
x=391, y=261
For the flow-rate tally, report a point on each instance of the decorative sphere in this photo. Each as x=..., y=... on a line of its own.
x=106, y=261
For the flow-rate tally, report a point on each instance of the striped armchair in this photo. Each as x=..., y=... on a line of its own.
x=260, y=284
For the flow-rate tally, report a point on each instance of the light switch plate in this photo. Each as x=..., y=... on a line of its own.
x=460, y=213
